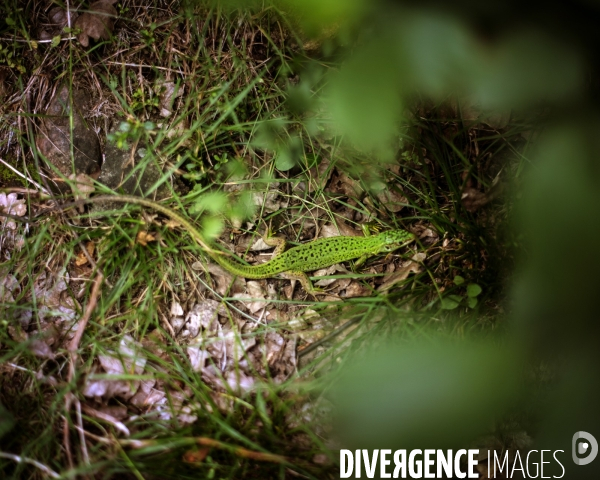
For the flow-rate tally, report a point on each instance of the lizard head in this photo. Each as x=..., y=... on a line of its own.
x=394, y=239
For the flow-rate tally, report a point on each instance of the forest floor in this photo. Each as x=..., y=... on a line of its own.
x=123, y=349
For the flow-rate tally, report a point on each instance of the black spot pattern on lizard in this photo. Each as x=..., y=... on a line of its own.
x=319, y=254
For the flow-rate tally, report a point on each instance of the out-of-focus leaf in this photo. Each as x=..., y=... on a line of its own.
x=458, y=280
x=212, y=227
x=244, y=207
x=288, y=148
x=97, y=23
x=557, y=295
x=365, y=97
x=236, y=169
x=472, y=302
x=432, y=395
x=473, y=290
x=6, y=421
x=529, y=67
x=284, y=160
x=449, y=303
x=214, y=202
x=289, y=154
x=436, y=53
x=268, y=134
x=299, y=98
x=316, y=14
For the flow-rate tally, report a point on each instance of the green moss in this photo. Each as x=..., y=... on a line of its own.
x=8, y=178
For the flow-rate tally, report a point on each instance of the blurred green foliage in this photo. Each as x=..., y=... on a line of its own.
x=394, y=52
x=6, y=421
x=426, y=394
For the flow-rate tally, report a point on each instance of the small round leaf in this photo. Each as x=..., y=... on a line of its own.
x=449, y=303
x=473, y=290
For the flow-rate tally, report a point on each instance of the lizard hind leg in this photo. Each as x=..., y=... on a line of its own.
x=304, y=280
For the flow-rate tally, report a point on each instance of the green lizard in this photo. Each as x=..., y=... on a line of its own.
x=291, y=263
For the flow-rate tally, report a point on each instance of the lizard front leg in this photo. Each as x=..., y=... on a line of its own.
x=279, y=243
x=362, y=259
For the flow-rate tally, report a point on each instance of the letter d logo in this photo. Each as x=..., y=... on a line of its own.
x=589, y=446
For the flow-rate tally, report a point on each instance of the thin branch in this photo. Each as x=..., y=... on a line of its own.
x=30, y=461
x=74, y=344
x=211, y=442
x=7, y=165
x=72, y=348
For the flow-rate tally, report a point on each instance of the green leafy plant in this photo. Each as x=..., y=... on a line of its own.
x=276, y=136
x=10, y=57
x=148, y=34
x=130, y=131
x=141, y=100
x=469, y=299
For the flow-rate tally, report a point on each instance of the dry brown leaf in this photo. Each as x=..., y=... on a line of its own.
x=197, y=455
x=8, y=286
x=224, y=280
x=325, y=272
x=58, y=18
x=16, y=333
x=319, y=176
x=81, y=258
x=472, y=199
x=106, y=417
x=143, y=238
x=355, y=289
x=411, y=266
x=202, y=315
x=176, y=309
x=346, y=186
x=256, y=291
x=82, y=185
x=426, y=235
x=97, y=23
x=41, y=349
x=147, y=395
x=116, y=411
x=392, y=200
x=56, y=315
x=127, y=361
x=198, y=357
x=332, y=230
x=10, y=204
x=176, y=321
x=168, y=92
x=260, y=245
x=172, y=224
x=239, y=382
x=9, y=236
x=269, y=201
